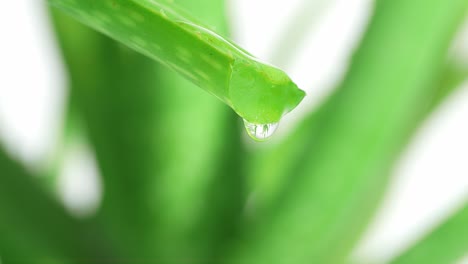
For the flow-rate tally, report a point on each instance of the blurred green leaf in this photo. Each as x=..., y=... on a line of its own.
x=355, y=137
x=34, y=227
x=170, y=189
x=267, y=181
x=447, y=243
x=173, y=164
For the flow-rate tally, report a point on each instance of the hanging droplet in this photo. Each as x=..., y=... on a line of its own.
x=260, y=132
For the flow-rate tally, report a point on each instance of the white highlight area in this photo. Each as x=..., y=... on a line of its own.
x=79, y=185
x=464, y=260
x=430, y=182
x=31, y=82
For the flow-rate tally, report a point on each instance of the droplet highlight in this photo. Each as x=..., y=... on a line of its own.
x=260, y=132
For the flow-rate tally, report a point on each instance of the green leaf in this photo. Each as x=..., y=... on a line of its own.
x=267, y=181
x=170, y=191
x=34, y=227
x=447, y=243
x=200, y=182
x=258, y=92
x=355, y=137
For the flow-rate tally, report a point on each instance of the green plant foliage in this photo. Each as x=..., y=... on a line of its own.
x=258, y=92
x=34, y=227
x=180, y=186
x=447, y=243
x=356, y=135
x=143, y=141
x=266, y=181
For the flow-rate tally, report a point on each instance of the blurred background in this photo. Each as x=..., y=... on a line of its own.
x=431, y=178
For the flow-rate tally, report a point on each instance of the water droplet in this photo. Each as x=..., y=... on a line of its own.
x=260, y=132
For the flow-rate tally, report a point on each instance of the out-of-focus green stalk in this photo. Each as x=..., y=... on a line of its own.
x=445, y=244
x=118, y=128
x=258, y=92
x=356, y=136
x=171, y=192
x=267, y=181
x=34, y=228
x=200, y=183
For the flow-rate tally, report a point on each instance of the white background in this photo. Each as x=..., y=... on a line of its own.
x=430, y=180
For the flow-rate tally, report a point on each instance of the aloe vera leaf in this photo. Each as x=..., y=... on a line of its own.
x=447, y=243
x=258, y=92
x=360, y=129
x=200, y=183
x=180, y=189
x=34, y=227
